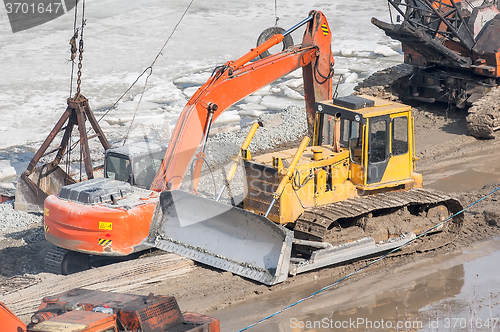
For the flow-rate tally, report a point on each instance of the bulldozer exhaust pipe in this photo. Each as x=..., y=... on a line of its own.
x=237, y=158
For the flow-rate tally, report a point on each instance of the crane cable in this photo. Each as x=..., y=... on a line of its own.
x=369, y=264
x=72, y=42
x=276, y=13
x=73, y=55
x=74, y=50
x=150, y=70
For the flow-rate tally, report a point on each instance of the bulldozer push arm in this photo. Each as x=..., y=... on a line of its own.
x=239, y=157
x=236, y=80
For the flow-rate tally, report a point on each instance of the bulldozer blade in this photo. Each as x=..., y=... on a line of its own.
x=223, y=236
x=32, y=190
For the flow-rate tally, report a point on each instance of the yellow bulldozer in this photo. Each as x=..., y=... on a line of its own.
x=351, y=193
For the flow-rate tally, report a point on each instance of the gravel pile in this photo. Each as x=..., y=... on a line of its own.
x=12, y=220
x=286, y=126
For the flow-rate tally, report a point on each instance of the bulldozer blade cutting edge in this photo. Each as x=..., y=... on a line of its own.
x=223, y=236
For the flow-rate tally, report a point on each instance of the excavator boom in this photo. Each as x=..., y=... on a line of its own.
x=236, y=80
x=220, y=235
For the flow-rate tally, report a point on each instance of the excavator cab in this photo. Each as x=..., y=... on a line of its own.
x=136, y=163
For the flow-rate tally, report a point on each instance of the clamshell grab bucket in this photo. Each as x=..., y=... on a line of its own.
x=32, y=189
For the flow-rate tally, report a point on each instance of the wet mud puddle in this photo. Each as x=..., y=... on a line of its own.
x=473, y=173
x=453, y=292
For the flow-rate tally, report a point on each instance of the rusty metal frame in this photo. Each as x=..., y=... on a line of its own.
x=76, y=113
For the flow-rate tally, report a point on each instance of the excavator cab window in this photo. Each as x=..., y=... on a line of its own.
x=118, y=168
x=145, y=168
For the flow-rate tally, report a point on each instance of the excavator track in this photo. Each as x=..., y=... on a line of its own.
x=54, y=259
x=381, y=216
x=63, y=261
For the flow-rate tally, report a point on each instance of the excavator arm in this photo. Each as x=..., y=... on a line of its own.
x=236, y=80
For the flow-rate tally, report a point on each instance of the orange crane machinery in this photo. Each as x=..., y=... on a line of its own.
x=10, y=322
x=453, y=46
x=106, y=217
x=82, y=310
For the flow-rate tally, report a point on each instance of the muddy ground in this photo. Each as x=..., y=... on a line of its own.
x=448, y=158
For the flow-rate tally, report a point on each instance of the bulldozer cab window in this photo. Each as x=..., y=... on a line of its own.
x=355, y=134
x=378, y=141
x=328, y=129
x=350, y=135
x=347, y=130
x=400, y=135
x=118, y=168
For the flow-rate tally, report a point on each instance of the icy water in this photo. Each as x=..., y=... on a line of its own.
x=123, y=37
x=454, y=292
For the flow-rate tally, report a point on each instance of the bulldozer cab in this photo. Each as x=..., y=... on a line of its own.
x=378, y=134
x=136, y=163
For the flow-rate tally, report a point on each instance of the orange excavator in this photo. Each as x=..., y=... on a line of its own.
x=107, y=217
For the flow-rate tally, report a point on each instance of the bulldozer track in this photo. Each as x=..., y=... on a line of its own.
x=315, y=222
